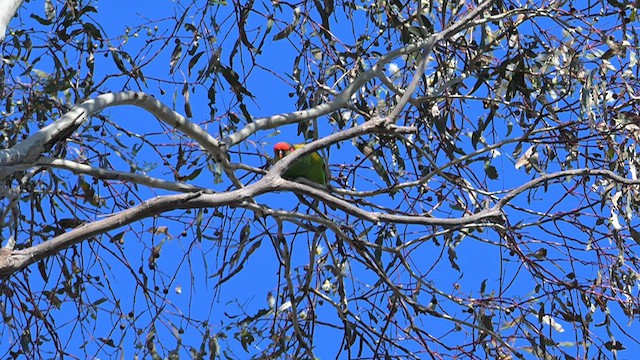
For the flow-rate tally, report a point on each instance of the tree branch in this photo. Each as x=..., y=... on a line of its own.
x=8, y=9
x=106, y=174
x=29, y=150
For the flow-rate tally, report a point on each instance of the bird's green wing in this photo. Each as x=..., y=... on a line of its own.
x=311, y=167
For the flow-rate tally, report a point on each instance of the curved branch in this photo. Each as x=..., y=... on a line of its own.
x=565, y=173
x=16, y=260
x=29, y=150
x=22, y=258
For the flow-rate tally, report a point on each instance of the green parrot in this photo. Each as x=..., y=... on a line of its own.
x=311, y=167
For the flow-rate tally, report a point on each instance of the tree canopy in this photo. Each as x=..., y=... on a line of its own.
x=482, y=201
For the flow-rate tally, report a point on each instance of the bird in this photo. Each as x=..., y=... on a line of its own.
x=311, y=167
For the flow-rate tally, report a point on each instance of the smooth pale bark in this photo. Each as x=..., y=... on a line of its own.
x=8, y=9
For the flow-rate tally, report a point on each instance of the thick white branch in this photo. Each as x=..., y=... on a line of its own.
x=8, y=9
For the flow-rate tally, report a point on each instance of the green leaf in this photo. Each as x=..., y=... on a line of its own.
x=246, y=339
x=25, y=341
x=232, y=78
x=43, y=271
x=175, y=56
x=193, y=61
x=245, y=232
x=452, y=258
x=118, y=61
x=49, y=10
x=99, y=301
x=284, y=33
x=614, y=345
x=191, y=176
x=118, y=238
x=42, y=21
x=92, y=31
x=187, y=103
x=491, y=171
x=108, y=342
x=483, y=286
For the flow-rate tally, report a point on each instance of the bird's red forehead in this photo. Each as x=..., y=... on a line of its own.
x=283, y=146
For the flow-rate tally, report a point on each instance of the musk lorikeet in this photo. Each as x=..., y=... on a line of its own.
x=311, y=167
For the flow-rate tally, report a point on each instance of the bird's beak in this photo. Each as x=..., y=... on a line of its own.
x=279, y=154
